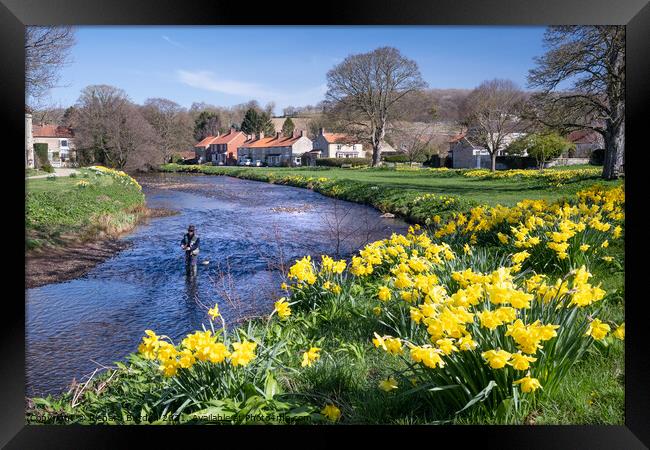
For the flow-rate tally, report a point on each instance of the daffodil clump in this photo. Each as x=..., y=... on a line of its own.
x=555, y=177
x=538, y=234
x=195, y=348
x=118, y=175
x=472, y=327
x=518, y=331
x=323, y=282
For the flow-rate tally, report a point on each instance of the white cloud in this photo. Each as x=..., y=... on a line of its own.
x=174, y=43
x=208, y=81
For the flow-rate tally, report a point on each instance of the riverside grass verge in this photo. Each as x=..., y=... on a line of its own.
x=412, y=193
x=510, y=316
x=99, y=202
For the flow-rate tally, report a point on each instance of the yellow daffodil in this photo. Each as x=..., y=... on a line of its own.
x=310, y=357
x=331, y=412
x=528, y=384
x=388, y=384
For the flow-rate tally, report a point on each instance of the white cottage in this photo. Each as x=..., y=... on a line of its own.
x=337, y=145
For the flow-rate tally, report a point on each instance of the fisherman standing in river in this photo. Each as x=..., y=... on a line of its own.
x=190, y=244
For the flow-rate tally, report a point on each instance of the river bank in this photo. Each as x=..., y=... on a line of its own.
x=416, y=195
x=73, y=223
x=71, y=258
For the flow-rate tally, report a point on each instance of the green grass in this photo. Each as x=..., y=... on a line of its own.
x=59, y=207
x=34, y=172
x=491, y=192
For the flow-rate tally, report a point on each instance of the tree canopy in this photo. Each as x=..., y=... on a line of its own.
x=591, y=60
x=256, y=122
x=365, y=90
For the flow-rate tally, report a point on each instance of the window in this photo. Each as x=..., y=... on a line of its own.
x=339, y=146
x=64, y=142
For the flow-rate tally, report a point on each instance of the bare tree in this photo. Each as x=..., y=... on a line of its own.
x=171, y=123
x=111, y=130
x=592, y=58
x=492, y=114
x=47, y=50
x=365, y=90
x=415, y=140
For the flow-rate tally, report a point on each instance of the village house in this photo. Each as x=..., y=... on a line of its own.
x=336, y=145
x=59, y=141
x=586, y=141
x=222, y=150
x=466, y=154
x=277, y=150
x=201, y=149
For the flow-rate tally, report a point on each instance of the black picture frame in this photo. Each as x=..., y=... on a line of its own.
x=16, y=14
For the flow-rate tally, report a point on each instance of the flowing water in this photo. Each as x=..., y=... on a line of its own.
x=248, y=231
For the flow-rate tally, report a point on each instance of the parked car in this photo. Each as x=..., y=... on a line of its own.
x=258, y=163
x=245, y=162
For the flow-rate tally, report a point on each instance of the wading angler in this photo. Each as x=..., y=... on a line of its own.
x=190, y=244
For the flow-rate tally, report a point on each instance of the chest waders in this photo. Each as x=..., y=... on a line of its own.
x=191, y=257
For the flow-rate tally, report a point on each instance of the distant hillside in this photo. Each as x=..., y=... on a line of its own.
x=301, y=123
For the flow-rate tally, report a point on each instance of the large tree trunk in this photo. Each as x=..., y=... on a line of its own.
x=615, y=124
x=493, y=158
x=376, y=155
x=614, y=150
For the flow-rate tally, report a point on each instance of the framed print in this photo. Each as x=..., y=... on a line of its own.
x=383, y=218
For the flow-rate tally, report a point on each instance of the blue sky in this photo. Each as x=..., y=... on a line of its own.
x=288, y=65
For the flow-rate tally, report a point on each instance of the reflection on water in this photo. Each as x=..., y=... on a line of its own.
x=249, y=232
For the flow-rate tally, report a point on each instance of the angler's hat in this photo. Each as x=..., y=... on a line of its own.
x=190, y=228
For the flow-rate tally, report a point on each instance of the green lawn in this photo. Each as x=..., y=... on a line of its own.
x=80, y=206
x=491, y=192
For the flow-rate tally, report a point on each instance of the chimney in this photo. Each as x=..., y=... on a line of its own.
x=321, y=131
x=302, y=133
x=261, y=135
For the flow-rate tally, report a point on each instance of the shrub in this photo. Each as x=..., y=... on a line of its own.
x=541, y=146
x=399, y=158
x=176, y=159
x=40, y=150
x=338, y=162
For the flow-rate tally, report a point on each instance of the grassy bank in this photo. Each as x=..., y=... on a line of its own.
x=414, y=194
x=402, y=333
x=90, y=205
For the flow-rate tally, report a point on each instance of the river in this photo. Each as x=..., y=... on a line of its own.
x=248, y=230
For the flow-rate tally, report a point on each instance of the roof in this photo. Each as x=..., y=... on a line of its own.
x=187, y=154
x=457, y=138
x=206, y=141
x=226, y=138
x=52, y=131
x=339, y=138
x=273, y=141
x=584, y=137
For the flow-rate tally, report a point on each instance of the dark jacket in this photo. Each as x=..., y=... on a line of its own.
x=193, y=243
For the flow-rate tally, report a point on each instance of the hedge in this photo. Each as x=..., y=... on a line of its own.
x=338, y=162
